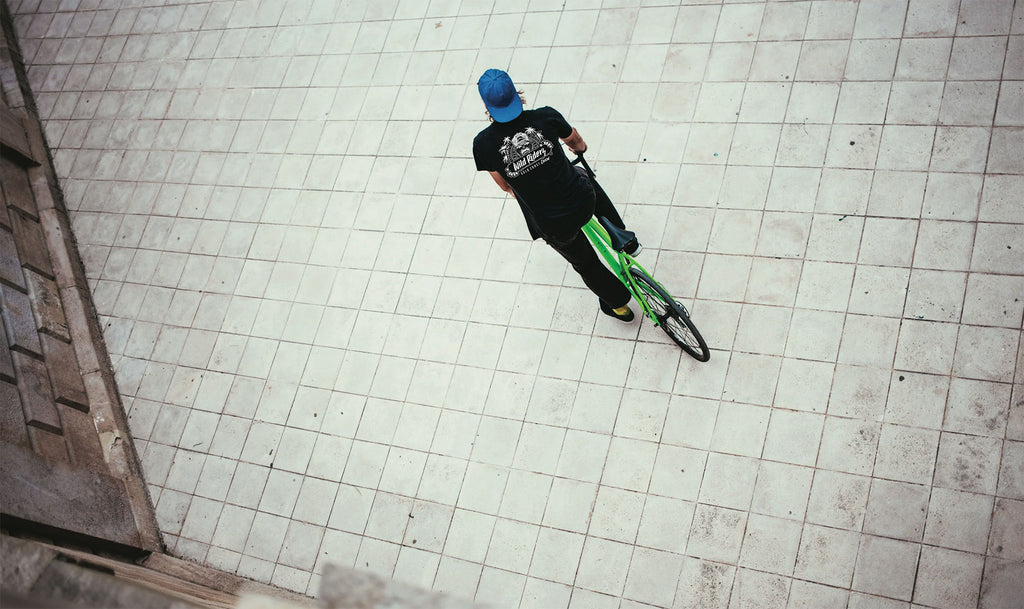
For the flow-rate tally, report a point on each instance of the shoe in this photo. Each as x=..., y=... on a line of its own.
x=633, y=248
x=607, y=310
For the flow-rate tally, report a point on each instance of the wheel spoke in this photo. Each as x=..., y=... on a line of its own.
x=671, y=316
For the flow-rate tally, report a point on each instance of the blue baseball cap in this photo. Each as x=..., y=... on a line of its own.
x=499, y=95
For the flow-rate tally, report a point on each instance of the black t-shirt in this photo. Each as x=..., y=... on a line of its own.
x=556, y=199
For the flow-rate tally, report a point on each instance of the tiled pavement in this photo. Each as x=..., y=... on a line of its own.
x=336, y=341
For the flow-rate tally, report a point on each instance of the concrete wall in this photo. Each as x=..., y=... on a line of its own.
x=67, y=464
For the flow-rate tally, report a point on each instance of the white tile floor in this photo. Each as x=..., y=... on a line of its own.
x=337, y=343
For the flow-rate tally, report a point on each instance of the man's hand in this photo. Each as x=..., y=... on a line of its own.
x=575, y=142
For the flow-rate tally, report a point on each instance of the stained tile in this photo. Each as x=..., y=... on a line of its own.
x=948, y=577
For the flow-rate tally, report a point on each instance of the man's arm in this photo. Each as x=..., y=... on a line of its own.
x=502, y=184
x=575, y=142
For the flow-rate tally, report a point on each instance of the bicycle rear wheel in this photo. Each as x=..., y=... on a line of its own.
x=673, y=317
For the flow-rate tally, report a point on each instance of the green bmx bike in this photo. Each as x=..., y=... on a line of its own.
x=658, y=305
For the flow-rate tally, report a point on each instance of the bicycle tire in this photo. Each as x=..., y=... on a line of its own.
x=673, y=317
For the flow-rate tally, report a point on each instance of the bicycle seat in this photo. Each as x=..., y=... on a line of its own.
x=620, y=236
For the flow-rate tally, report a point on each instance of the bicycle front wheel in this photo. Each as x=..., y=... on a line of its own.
x=673, y=317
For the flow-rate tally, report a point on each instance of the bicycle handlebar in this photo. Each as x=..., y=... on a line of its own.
x=579, y=160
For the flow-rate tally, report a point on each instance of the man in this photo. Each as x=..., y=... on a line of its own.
x=520, y=149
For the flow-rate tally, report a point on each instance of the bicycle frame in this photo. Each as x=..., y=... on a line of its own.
x=619, y=263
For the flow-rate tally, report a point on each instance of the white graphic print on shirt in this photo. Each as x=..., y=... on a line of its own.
x=524, y=152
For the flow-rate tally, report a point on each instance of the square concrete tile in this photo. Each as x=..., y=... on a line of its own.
x=886, y=567
x=948, y=577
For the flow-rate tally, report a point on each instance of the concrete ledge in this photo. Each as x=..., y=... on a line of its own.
x=21, y=562
x=79, y=501
x=96, y=392
x=34, y=571
x=51, y=576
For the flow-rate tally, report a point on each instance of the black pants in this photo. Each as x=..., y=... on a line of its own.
x=578, y=251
